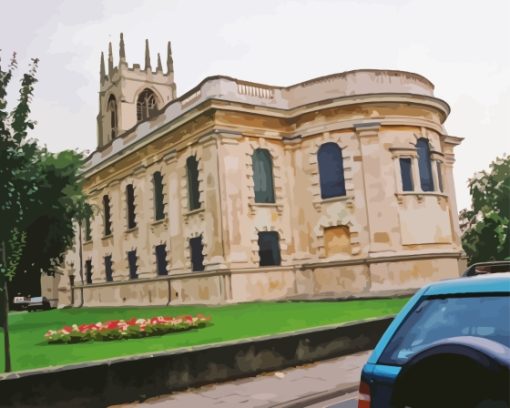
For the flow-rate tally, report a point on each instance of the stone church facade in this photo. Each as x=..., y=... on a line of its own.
x=236, y=191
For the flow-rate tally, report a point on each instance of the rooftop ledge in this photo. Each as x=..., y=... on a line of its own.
x=360, y=82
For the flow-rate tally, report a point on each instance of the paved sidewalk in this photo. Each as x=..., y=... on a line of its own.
x=293, y=387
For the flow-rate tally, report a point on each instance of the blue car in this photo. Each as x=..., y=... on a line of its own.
x=448, y=347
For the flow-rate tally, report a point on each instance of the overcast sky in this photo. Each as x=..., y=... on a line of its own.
x=462, y=46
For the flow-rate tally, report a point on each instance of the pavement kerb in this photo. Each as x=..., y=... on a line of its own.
x=304, y=402
x=123, y=380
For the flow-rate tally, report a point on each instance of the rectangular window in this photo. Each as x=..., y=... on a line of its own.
x=88, y=231
x=269, y=248
x=159, y=205
x=161, y=259
x=440, y=176
x=197, y=257
x=193, y=190
x=88, y=271
x=406, y=173
x=130, y=200
x=108, y=268
x=133, y=267
x=107, y=216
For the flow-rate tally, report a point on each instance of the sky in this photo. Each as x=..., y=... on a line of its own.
x=463, y=47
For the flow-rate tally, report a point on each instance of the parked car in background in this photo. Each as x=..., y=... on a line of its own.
x=20, y=302
x=31, y=303
x=448, y=347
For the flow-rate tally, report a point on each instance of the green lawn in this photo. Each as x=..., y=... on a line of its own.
x=29, y=349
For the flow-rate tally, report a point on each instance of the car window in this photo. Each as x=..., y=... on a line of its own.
x=439, y=318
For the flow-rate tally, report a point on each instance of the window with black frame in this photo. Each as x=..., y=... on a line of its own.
x=424, y=165
x=269, y=248
x=107, y=216
x=193, y=191
x=87, y=229
x=159, y=205
x=263, y=176
x=133, y=267
x=108, y=268
x=197, y=256
x=406, y=173
x=88, y=271
x=161, y=262
x=331, y=170
x=130, y=201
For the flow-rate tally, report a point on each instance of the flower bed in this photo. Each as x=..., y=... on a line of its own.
x=125, y=329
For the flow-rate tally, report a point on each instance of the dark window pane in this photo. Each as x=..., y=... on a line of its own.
x=133, y=267
x=159, y=205
x=108, y=268
x=130, y=198
x=426, y=181
x=107, y=216
x=193, y=193
x=88, y=231
x=263, y=176
x=161, y=259
x=331, y=170
x=440, y=176
x=407, y=174
x=269, y=248
x=88, y=271
x=197, y=257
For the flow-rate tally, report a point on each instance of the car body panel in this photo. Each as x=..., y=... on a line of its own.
x=381, y=377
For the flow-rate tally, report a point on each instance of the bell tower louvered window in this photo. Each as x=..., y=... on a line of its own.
x=146, y=105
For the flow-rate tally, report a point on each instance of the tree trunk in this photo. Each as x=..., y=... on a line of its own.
x=80, y=251
x=4, y=306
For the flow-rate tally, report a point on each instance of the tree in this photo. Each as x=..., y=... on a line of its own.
x=17, y=182
x=486, y=225
x=40, y=195
x=48, y=219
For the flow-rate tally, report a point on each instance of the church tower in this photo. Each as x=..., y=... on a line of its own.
x=128, y=95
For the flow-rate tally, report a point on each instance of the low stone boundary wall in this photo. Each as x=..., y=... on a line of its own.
x=103, y=383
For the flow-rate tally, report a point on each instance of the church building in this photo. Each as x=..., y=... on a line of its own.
x=237, y=191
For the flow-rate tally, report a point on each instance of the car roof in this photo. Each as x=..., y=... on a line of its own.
x=490, y=283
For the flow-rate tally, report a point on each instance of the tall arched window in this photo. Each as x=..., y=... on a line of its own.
x=112, y=108
x=263, y=176
x=193, y=193
x=145, y=105
x=424, y=165
x=331, y=170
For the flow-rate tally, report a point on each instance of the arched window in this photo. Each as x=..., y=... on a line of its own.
x=112, y=108
x=331, y=170
x=145, y=105
x=193, y=193
x=263, y=176
x=424, y=166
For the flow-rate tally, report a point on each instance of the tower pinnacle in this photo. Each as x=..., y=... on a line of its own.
x=169, y=60
x=110, y=61
x=102, y=72
x=122, y=50
x=159, y=67
x=147, y=55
